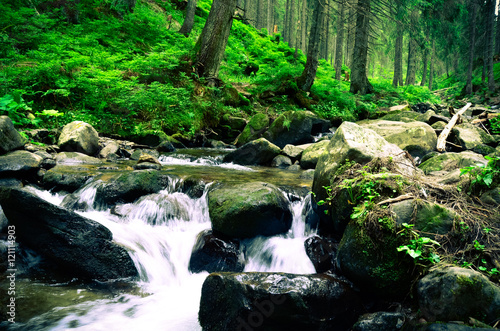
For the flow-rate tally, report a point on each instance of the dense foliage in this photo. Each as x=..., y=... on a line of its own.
x=128, y=71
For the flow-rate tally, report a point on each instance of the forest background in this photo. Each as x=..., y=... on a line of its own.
x=130, y=66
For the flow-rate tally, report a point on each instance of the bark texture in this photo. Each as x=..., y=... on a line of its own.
x=339, y=42
x=188, y=23
x=359, y=79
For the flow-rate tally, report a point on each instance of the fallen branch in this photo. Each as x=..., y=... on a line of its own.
x=397, y=199
x=441, y=142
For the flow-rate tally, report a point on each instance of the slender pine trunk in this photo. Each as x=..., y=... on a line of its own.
x=359, y=79
x=340, y=42
x=472, y=45
x=188, y=23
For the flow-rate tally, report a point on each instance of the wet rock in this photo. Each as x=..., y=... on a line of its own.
x=257, y=125
x=380, y=321
x=138, y=153
x=213, y=254
x=451, y=161
x=248, y=210
x=449, y=327
x=166, y=147
x=152, y=138
x=193, y=187
x=20, y=163
x=323, y=254
x=276, y=301
x=147, y=166
x=83, y=248
x=75, y=158
x=295, y=128
x=311, y=154
x=257, y=152
x=294, y=152
x=60, y=178
x=48, y=160
x=79, y=137
x=281, y=161
x=417, y=138
x=455, y=294
x=111, y=147
x=129, y=186
x=10, y=138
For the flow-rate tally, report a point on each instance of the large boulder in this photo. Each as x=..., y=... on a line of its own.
x=67, y=178
x=81, y=247
x=311, y=154
x=418, y=138
x=79, y=137
x=355, y=143
x=254, y=129
x=295, y=128
x=19, y=162
x=257, y=152
x=470, y=137
x=431, y=218
x=276, y=301
x=451, y=161
x=128, y=186
x=10, y=139
x=456, y=294
x=75, y=158
x=213, y=254
x=370, y=259
x=248, y=210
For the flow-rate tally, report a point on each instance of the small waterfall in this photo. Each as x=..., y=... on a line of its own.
x=159, y=230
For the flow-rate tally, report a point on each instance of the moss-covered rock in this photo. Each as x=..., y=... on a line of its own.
x=456, y=294
x=311, y=154
x=20, y=163
x=10, y=138
x=256, y=152
x=249, y=210
x=371, y=260
x=408, y=116
x=451, y=161
x=470, y=137
x=418, y=138
x=254, y=129
x=428, y=217
x=79, y=137
x=295, y=128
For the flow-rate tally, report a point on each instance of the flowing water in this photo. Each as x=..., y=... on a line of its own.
x=159, y=231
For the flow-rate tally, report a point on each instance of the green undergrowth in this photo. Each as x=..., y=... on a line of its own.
x=126, y=72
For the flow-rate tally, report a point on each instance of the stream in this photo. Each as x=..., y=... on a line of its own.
x=160, y=241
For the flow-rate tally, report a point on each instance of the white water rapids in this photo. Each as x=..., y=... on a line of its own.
x=159, y=230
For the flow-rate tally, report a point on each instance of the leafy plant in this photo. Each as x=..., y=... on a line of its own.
x=483, y=175
x=420, y=249
x=495, y=124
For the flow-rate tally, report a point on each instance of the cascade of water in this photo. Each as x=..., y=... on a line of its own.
x=159, y=230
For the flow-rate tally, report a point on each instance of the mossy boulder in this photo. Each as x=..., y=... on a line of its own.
x=431, y=218
x=254, y=129
x=295, y=128
x=66, y=178
x=276, y=301
x=451, y=161
x=370, y=259
x=408, y=116
x=249, y=210
x=75, y=158
x=418, y=138
x=79, y=137
x=10, y=138
x=470, y=137
x=355, y=143
x=294, y=152
x=256, y=152
x=456, y=294
x=152, y=138
x=491, y=197
x=311, y=154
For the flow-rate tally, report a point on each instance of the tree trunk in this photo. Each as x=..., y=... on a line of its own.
x=472, y=45
x=251, y=12
x=490, y=42
x=187, y=26
x=351, y=31
x=359, y=79
x=340, y=42
x=497, y=43
x=286, y=22
x=262, y=12
x=410, y=73
x=292, y=32
x=431, y=66
x=303, y=29
x=326, y=33
x=398, y=57
x=270, y=16
x=424, y=69
x=212, y=42
x=306, y=80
